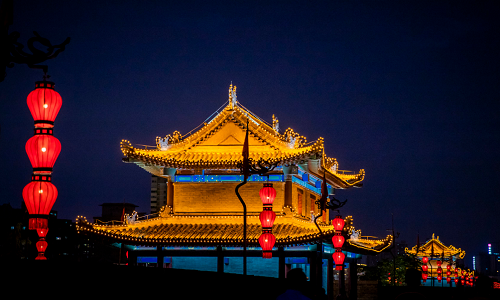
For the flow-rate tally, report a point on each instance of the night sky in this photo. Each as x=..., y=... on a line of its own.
x=408, y=92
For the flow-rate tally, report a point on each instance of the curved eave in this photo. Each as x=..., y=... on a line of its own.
x=158, y=158
x=364, y=247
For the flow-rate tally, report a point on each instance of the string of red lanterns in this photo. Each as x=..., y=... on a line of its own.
x=43, y=149
x=267, y=217
x=338, y=241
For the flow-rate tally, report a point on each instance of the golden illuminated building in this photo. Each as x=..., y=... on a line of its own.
x=201, y=172
x=436, y=251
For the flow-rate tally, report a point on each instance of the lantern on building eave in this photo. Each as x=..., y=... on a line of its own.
x=44, y=104
x=425, y=259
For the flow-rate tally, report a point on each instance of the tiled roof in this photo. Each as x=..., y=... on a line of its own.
x=435, y=248
x=200, y=231
x=204, y=149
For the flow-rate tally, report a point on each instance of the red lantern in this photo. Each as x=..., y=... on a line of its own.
x=439, y=270
x=448, y=267
x=338, y=241
x=456, y=280
x=44, y=104
x=425, y=259
x=462, y=282
x=43, y=151
x=424, y=276
x=448, y=273
x=439, y=263
x=39, y=197
x=267, y=218
x=338, y=258
x=456, y=274
x=425, y=268
x=42, y=233
x=338, y=223
x=38, y=223
x=267, y=194
x=448, y=280
x=41, y=245
x=439, y=278
x=266, y=241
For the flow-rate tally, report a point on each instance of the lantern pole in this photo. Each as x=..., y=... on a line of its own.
x=249, y=166
x=244, y=225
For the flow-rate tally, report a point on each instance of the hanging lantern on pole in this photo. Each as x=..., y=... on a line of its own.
x=425, y=259
x=338, y=258
x=266, y=241
x=425, y=268
x=41, y=246
x=267, y=216
x=267, y=194
x=43, y=149
x=338, y=241
x=44, y=104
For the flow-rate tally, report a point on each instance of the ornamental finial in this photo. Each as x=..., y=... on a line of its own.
x=232, y=95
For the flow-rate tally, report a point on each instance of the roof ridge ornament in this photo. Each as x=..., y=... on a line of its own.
x=276, y=124
x=232, y=95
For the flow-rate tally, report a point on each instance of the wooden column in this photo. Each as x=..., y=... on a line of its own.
x=220, y=260
x=330, y=279
x=353, y=278
x=288, y=190
x=313, y=261
x=281, y=264
x=170, y=193
x=319, y=264
x=159, y=256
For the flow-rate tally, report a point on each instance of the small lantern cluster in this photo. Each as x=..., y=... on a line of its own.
x=448, y=273
x=43, y=149
x=439, y=271
x=267, y=217
x=338, y=240
x=425, y=268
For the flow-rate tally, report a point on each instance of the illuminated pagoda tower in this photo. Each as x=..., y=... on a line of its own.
x=202, y=211
x=439, y=263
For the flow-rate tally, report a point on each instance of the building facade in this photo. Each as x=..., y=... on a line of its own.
x=197, y=213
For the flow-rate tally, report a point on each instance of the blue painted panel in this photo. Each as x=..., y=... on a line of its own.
x=147, y=259
x=317, y=184
x=305, y=177
x=296, y=260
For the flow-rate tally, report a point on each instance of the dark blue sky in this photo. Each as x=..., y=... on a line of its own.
x=408, y=92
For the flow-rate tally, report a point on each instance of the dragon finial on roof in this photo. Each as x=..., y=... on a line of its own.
x=232, y=95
